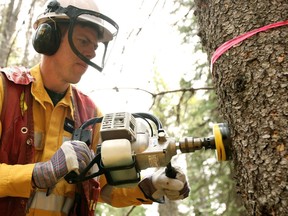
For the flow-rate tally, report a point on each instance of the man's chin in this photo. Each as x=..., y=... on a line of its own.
x=79, y=72
x=75, y=80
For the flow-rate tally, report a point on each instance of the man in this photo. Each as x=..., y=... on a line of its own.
x=39, y=111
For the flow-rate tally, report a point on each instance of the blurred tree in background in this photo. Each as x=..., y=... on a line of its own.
x=16, y=30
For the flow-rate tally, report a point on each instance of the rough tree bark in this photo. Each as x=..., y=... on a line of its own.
x=251, y=81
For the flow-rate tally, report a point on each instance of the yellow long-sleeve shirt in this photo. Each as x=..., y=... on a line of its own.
x=49, y=135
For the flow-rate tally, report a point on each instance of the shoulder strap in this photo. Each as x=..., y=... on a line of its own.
x=84, y=107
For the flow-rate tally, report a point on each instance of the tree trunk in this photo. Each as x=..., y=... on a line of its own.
x=251, y=81
x=7, y=29
x=26, y=51
x=169, y=208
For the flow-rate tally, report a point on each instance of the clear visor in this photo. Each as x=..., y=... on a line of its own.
x=89, y=34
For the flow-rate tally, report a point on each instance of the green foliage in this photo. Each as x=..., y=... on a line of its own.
x=186, y=25
x=105, y=210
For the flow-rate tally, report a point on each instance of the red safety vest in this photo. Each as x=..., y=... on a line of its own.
x=20, y=150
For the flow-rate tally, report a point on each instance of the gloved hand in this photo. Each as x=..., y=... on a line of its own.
x=71, y=156
x=158, y=185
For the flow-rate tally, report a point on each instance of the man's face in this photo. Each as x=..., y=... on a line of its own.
x=72, y=67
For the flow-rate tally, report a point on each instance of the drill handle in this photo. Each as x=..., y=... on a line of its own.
x=170, y=171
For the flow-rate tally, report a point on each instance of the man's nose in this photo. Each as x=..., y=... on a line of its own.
x=90, y=52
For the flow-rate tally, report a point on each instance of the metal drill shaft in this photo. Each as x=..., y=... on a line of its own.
x=191, y=144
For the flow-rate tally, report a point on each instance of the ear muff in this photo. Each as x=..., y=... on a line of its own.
x=47, y=38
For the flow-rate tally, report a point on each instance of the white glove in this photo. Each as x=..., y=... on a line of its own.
x=158, y=185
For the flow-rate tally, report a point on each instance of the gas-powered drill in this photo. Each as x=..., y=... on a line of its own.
x=130, y=145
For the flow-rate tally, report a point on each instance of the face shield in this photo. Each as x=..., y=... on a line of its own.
x=81, y=45
x=104, y=28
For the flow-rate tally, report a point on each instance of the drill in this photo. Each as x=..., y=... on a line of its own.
x=130, y=144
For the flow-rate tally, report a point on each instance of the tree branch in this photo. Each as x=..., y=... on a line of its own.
x=154, y=95
x=162, y=93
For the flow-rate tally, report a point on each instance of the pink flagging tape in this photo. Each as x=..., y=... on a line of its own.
x=228, y=44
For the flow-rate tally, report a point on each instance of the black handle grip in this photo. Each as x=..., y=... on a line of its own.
x=170, y=171
x=71, y=177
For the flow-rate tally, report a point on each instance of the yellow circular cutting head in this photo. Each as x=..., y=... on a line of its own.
x=219, y=144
